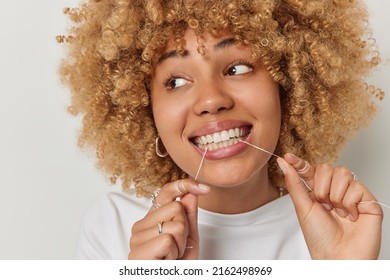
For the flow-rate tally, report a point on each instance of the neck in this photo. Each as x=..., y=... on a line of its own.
x=243, y=198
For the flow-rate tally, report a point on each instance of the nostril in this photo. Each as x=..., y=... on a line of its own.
x=221, y=109
x=213, y=101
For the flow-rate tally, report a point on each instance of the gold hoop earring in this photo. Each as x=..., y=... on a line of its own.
x=158, y=152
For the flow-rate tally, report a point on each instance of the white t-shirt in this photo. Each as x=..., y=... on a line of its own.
x=269, y=232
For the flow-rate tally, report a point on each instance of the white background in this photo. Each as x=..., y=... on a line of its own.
x=47, y=183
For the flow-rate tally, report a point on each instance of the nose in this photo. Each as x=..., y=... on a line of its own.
x=211, y=98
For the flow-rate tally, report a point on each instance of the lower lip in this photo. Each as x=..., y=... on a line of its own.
x=226, y=152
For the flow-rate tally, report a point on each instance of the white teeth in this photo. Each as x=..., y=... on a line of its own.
x=217, y=137
x=221, y=139
x=224, y=144
x=224, y=135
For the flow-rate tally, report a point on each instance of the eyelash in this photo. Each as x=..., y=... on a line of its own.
x=172, y=77
x=239, y=62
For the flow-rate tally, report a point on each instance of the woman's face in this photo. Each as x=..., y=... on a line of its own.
x=213, y=100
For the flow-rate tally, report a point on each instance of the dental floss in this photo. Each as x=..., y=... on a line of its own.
x=303, y=181
x=196, y=177
x=377, y=202
x=272, y=154
x=201, y=162
x=306, y=185
x=261, y=149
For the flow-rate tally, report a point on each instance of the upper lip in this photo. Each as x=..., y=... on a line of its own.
x=217, y=126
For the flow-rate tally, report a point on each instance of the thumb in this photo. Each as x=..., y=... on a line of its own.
x=298, y=191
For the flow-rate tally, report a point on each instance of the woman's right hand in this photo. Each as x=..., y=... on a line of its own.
x=178, y=236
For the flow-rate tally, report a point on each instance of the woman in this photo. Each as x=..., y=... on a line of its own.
x=191, y=98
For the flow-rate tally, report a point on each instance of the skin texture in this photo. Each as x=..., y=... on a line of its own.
x=335, y=223
x=318, y=52
x=211, y=100
x=352, y=229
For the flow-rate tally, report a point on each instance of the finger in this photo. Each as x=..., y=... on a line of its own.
x=303, y=168
x=171, y=191
x=175, y=223
x=351, y=199
x=322, y=182
x=177, y=229
x=359, y=200
x=341, y=180
x=173, y=211
x=298, y=192
x=159, y=248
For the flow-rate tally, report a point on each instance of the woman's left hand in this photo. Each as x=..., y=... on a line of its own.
x=339, y=217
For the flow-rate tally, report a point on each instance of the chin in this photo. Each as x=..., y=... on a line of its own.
x=227, y=177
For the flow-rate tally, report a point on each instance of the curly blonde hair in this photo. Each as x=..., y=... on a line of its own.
x=319, y=51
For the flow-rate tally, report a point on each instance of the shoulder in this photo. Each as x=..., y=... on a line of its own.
x=120, y=202
x=105, y=230
x=119, y=205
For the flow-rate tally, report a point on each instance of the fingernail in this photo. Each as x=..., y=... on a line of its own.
x=292, y=155
x=351, y=218
x=282, y=165
x=341, y=212
x=327, y=206
x=203, y=188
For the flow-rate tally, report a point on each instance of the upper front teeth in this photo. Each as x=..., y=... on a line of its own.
x=220, y=136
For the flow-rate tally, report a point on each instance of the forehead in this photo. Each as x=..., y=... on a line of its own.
x=192, y=42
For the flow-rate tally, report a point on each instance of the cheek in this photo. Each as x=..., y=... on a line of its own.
x=264, y=106
x=263, y=100
x=170, y=119
x=169, y=116
x=272, y=114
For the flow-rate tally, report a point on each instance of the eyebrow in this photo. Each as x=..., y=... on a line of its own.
x=223, y=44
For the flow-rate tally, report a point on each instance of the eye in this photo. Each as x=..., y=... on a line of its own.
x=239, y=69
x=175, y=82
